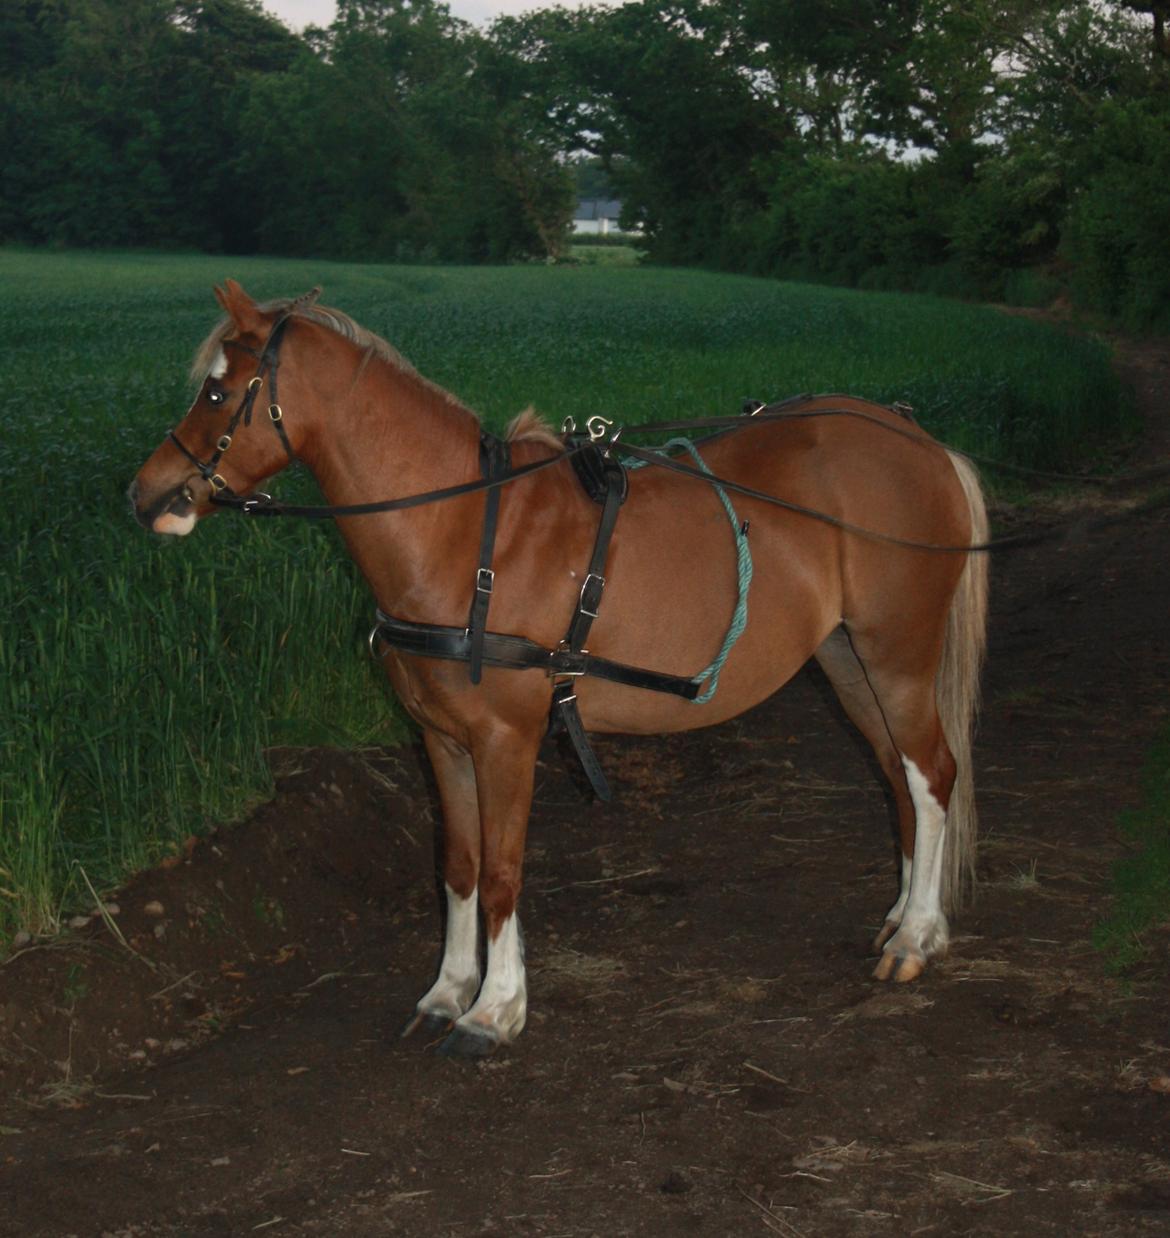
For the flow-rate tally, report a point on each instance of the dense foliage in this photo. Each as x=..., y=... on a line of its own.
x=399, y=132
x=986, y=147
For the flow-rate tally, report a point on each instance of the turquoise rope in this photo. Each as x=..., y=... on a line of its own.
x=744, y=561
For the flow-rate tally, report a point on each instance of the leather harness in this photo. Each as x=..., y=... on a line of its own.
x=604, y=479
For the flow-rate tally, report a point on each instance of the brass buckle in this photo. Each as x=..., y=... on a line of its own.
x=225, y=441
x=274, y=412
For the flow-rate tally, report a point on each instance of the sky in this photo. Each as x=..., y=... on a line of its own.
x=300, y=13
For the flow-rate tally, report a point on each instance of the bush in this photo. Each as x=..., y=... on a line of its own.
x=1116, y=237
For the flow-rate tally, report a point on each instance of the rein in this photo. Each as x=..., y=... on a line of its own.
x=592, y=453
x=578, y=447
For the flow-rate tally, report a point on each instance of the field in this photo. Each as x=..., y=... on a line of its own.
x=141, y=682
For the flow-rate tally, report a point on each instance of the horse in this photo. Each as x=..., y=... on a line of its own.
x=898, y=630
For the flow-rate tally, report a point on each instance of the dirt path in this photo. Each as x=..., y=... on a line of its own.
x=706, y=1053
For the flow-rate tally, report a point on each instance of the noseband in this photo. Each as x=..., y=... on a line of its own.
x=269, y=358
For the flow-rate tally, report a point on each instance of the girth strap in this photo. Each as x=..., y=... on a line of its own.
x=518, y=653
x=495, y=458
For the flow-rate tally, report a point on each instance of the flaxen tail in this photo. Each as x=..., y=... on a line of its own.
x=957, y=689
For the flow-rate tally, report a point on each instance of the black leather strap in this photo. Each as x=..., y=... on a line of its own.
x=495, y=459
x=589, y=599
x=450, y=644
x=564, y=709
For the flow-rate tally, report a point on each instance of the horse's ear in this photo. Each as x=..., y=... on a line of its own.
x=240, y=308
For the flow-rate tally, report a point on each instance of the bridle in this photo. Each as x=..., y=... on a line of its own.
x=269, y=362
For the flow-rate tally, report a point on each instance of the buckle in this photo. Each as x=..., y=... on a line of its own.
x=274, y=412
x=255, y=501
x=485, y=580
x=225, y=441
x=590, y=597
x=563, y=663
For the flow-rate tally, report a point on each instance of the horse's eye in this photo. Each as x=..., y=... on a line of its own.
x=215, y=397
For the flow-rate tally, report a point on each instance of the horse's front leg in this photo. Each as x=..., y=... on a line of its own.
x=458, y=982
x=505, y=763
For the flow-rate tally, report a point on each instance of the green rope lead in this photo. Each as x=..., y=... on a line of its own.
x=744, y=560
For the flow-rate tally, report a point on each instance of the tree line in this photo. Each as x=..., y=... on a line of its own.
x=984, y=147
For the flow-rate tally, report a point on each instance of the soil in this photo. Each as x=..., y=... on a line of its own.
x=706, y=1051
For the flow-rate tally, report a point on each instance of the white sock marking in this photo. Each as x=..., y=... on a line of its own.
x=896, y=911
x=502, y=1004
x=924, y=926
x=458, y=978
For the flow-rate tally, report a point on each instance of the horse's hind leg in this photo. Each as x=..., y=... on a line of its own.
x=902, y=671
x=458, y=981
x=844, y=671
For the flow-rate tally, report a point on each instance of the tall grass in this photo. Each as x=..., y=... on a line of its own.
x=140, y=681
x=1141, y=878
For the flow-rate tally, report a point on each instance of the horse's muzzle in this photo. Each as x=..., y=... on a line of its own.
x=171, y=513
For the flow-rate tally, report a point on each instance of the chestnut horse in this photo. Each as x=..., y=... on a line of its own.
x=898, y=631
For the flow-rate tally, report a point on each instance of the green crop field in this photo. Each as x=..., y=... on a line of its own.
x=141, y=680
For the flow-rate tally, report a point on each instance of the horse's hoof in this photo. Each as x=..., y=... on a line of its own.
x=901, y=968
x=433, y=1025
x=465, y=1043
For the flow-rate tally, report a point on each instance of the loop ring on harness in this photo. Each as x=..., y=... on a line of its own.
x=274, y=412
x=597, y=426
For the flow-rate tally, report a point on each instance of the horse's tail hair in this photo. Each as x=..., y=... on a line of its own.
x=957, y=689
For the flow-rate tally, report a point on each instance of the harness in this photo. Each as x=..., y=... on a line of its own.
x=604, y=478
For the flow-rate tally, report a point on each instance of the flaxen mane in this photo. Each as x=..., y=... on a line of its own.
x=530, y=427
x=303, y=307
x=527, y=427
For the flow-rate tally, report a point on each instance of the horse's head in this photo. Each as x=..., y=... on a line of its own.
x=217, y=448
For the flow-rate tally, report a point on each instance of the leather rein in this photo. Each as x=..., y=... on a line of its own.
x=592, y=454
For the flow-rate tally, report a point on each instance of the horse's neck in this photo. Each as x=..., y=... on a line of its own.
x=395, y=434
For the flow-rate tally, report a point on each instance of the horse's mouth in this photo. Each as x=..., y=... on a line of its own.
x=171, y=514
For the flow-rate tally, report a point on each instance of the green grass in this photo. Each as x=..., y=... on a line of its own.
x=1141, y=880
x=140, y=681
